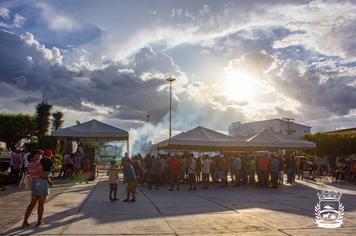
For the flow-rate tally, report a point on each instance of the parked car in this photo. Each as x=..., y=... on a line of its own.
x=5, y=159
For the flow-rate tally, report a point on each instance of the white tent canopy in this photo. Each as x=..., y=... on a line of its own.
x=199, y=138
x=268, y=139
x=92, y=129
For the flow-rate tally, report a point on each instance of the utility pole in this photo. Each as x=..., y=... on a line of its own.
x=170, y=80
x=288, y=122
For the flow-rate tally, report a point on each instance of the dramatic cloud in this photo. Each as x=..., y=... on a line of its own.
x=233, y=60
x=31, y=66
x=116, y=90
x=255, y=63
x=317, y=88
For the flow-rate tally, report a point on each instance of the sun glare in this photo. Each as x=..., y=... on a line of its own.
x=239, y=86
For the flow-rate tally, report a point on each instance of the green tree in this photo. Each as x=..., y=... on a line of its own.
x=14, y=127
x=57, y=120
x=43, y=113
x=333, y=145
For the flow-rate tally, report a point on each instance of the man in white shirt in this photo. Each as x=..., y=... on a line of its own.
x=192, y=164
x=206, y=171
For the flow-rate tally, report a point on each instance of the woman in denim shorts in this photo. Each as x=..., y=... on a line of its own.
x=40, y=187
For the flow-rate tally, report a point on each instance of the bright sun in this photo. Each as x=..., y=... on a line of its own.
x=239, y=86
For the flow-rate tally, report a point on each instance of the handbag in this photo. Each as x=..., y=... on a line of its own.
x=28, y=182
x=25, y=183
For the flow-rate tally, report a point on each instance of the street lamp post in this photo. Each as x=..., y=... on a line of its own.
x=170, y=80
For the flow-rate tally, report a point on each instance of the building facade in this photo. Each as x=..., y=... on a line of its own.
x=277, y=125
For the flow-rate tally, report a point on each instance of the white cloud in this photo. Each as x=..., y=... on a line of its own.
x=19, y=20
x=10, y=20
x=321, y=21
x=152, y=12
x=4, y=12
x=57, y=21
x=302, y=54
x=51, y=55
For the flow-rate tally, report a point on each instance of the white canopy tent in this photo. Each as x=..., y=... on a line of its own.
x=203, y=139
x=93, y=131
x=268, y=139
x=198, y=139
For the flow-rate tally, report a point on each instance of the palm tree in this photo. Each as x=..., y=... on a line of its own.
x=57, y=120
x=43, y=113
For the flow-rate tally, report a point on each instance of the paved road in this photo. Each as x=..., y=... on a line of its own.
x=86, y=210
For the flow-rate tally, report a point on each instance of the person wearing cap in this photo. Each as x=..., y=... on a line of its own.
x=39, y=187
x=46, y=162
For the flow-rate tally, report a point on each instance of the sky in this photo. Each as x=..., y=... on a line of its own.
x=233, y=61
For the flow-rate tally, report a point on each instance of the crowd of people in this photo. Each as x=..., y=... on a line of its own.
x=39, y=166
x=346, y=170
x=20, y=160
x=74, y=165
x=263, y=170
x=154, y=171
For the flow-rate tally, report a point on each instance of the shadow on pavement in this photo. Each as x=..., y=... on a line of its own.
x=247, y=206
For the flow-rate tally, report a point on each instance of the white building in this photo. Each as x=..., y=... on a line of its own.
x=276, y=125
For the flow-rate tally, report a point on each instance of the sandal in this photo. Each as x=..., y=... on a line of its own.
x=24, y=225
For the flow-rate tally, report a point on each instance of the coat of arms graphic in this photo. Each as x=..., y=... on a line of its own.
x=329, y=211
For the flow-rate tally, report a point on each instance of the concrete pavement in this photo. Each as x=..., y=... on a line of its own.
x=86, y=210
x=14, y=202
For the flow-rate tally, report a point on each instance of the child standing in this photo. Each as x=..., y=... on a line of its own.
x=113, y=174
x=130, y=179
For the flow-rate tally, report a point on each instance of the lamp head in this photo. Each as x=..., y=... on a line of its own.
x=171, y=79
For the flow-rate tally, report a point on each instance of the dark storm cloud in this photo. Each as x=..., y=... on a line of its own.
x=117, y=88
x=28, y=65
x=252, y=62
x=317, y=88
x=147, y=60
